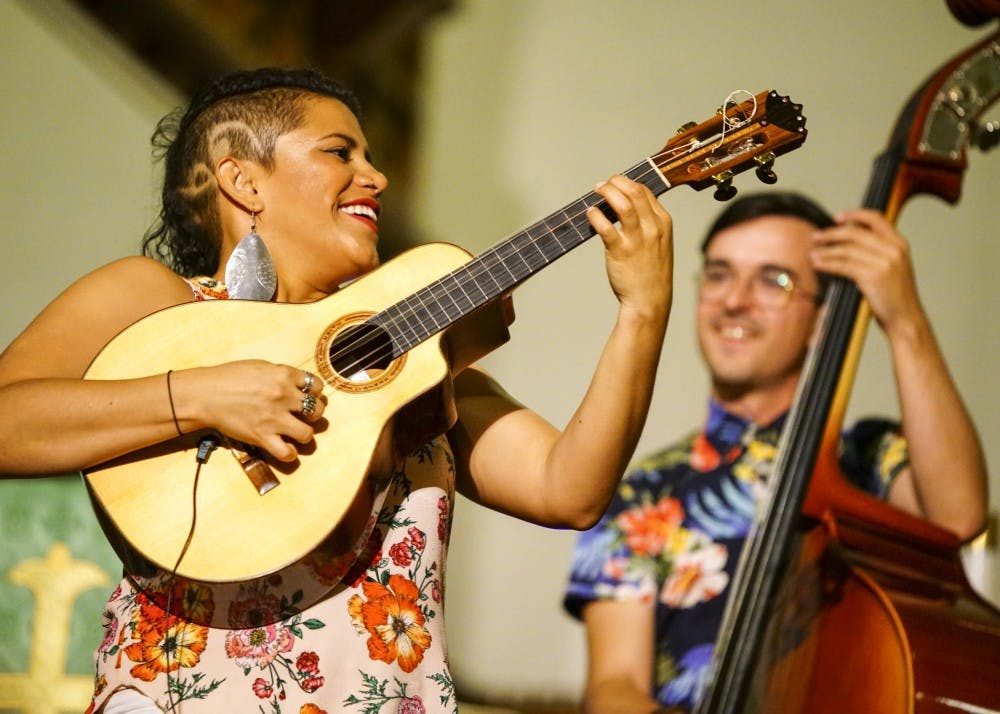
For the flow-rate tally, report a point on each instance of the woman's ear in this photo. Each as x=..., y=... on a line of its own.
x=236, y=179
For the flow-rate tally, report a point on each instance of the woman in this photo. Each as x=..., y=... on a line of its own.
x=281, y=154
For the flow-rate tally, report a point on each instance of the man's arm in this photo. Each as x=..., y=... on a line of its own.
x=946, y=481
x=620, y=666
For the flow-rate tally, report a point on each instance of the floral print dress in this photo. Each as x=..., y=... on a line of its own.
x=674, y=531
x=373, y=643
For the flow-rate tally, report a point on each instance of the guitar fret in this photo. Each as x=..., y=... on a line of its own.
x=418, y=298
x=488, y=270
x=500, y=272
x=439, y=292
x=529, y=248
x=577, y=222
x=547, y=246
x=462, y=299
x=552, y=235
x=415, y=323
x=514, y=250
x=470, y=280
x=519, y=269
x=648, y=174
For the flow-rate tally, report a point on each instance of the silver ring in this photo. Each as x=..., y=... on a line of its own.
x=309, y=381
x=308, y=405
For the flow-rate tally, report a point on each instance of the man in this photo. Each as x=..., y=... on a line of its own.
x=651, y=579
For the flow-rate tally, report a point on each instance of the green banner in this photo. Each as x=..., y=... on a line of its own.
x=56, y=573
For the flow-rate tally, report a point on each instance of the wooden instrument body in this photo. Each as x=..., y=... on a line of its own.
x=874, y=621
x=902, y=630
x=240, y=534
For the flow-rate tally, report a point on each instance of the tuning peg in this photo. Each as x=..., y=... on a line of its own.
x=724, y=189
x=726, y=107
x=986, y=136
x=686, y=126
x=765, y=168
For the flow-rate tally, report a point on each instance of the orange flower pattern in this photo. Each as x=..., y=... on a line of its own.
x=165, y=646
x=311, y=709
x=393, y=621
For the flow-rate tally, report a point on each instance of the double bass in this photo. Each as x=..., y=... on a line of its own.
x=842, y=603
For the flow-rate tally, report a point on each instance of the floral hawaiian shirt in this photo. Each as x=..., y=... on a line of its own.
x=674, y=531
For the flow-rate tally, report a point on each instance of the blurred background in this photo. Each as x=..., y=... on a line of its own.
x=486, y=115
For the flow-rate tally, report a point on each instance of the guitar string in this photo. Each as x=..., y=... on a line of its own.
x=377, y=353
x=728, y=122
x=484, y=266
x=471, y=277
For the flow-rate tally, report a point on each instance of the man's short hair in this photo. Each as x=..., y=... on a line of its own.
x=770, y=203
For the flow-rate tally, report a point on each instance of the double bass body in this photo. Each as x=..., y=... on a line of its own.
x=872, y=621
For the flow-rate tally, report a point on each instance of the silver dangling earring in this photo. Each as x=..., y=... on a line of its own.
x=250, y=271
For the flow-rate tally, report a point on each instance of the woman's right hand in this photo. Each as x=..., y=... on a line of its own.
x=271, y=406
x=53, y=422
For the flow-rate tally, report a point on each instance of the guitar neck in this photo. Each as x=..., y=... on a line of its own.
x=501, y=268
x=740, y=136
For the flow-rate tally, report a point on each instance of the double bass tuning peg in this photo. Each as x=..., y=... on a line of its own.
x=986, y=136
x=765, y=168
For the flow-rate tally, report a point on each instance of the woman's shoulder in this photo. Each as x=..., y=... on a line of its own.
x=92, y=310
x=136, y=268
x=147, y=284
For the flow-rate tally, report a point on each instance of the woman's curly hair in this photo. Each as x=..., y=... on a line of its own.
x=248, y=110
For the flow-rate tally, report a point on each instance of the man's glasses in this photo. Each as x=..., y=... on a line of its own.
x=771, y=287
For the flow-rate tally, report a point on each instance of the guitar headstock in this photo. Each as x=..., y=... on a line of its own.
x=748, y=134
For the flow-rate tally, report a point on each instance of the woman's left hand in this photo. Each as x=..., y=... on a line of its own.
x=639, y=249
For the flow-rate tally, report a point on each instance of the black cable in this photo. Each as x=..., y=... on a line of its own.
x=205, y=449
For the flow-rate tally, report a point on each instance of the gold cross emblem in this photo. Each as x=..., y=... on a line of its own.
x=56, y=582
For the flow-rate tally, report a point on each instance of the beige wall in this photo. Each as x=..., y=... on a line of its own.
x=76, y=183
x=528, y=103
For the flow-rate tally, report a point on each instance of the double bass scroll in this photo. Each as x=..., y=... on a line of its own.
x=974, y=12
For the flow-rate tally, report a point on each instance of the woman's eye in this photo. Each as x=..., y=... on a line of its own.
x=341, y=151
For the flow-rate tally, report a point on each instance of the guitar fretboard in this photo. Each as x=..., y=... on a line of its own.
x=499, y=269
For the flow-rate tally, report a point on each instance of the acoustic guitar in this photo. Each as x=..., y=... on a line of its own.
x=387, y=346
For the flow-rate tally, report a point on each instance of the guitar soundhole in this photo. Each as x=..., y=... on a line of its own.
x=361, y=352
